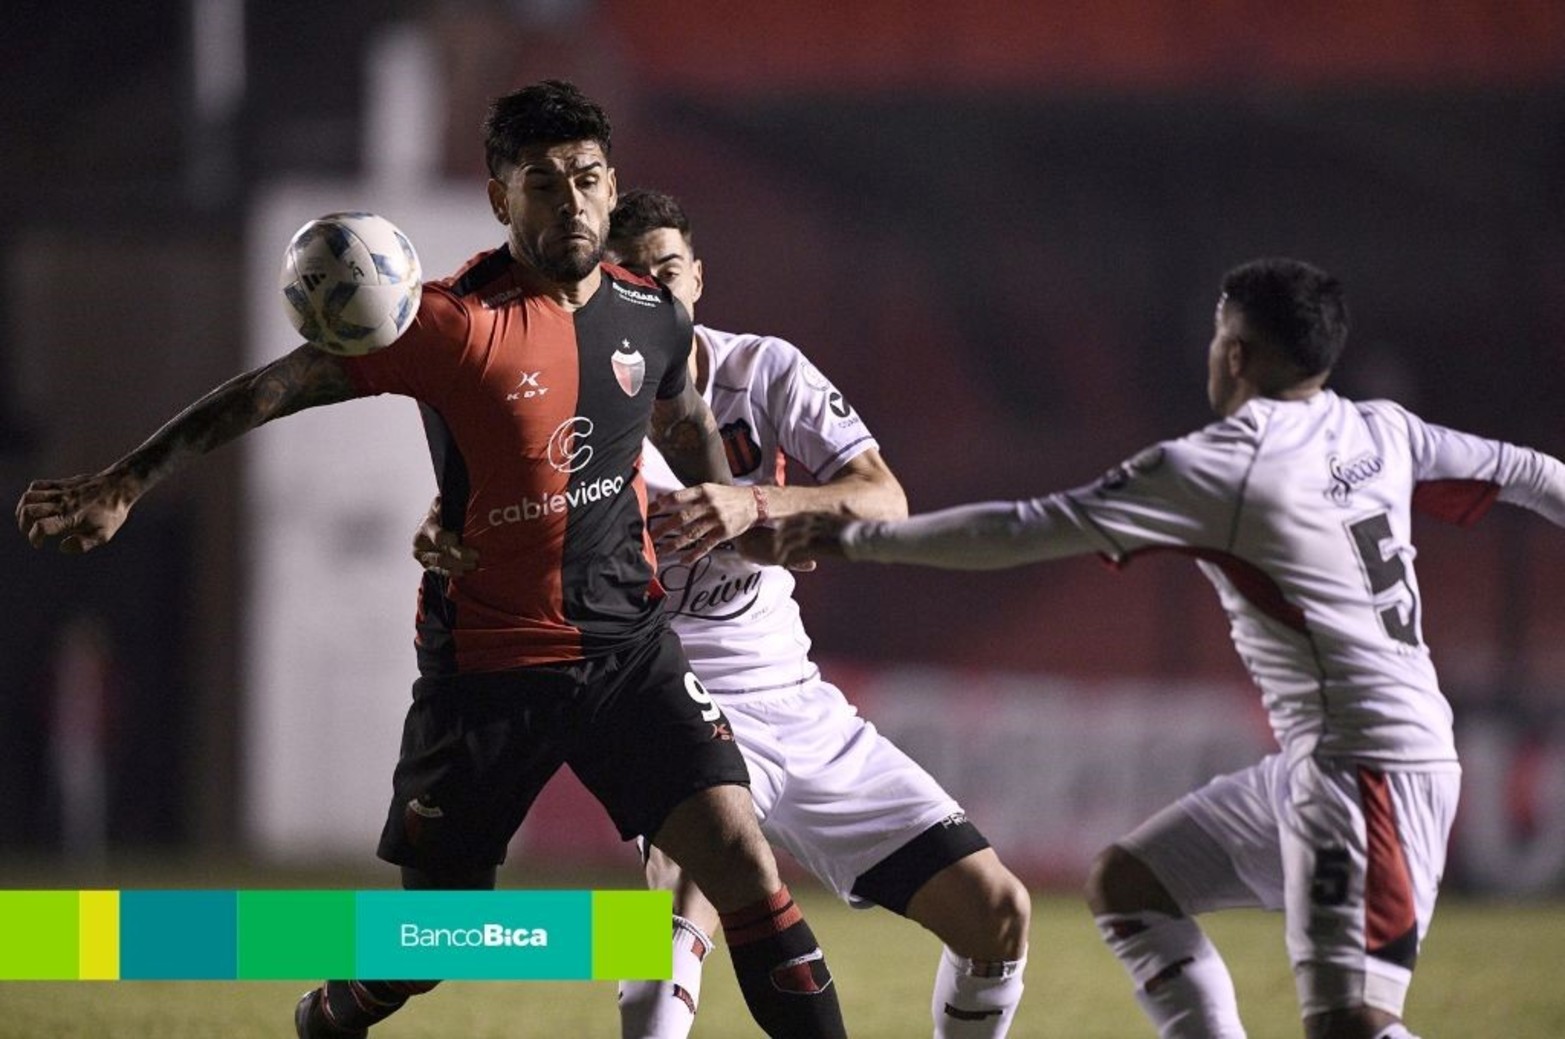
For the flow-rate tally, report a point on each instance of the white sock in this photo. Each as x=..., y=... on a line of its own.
x=1396, y=1031
x=975, y=999
x=1181, y=982
x=667, y=1009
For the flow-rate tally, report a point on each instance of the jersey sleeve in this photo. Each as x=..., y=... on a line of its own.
x=983, y=536
x=1458, y=476
x=815, y=425
x=678, y=372
x=1185, y=492
x=420, y=363
x=1174, y=493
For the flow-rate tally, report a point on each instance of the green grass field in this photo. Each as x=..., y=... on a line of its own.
x=1488, y=970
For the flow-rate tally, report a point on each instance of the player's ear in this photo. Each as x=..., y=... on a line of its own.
x=613, y=189
x=1238, y=355
x=698, y=276
x=497, y=202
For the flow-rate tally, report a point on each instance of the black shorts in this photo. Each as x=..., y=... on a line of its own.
x=635, y=726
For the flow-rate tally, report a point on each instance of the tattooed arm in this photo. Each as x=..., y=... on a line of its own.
x=83, y=512
x=685, y=433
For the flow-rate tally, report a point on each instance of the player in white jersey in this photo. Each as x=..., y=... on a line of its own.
x=1297, y=506
x=865, y=818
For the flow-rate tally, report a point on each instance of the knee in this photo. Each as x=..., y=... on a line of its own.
x=1011, y=915
x=715, y=839
x=981, y=913
x=662, y=872
x=1118, y=882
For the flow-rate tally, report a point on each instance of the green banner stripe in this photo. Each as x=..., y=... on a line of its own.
x=39, y=935
x=632, y=935
x=296, y=934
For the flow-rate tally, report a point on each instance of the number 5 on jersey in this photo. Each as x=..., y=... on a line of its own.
x=1383, y=565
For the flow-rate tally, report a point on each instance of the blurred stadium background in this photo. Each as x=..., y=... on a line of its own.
x=998, y=226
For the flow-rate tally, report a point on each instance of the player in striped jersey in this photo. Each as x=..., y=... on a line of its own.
x=1297, y=505
x=539, y=370
x=847, y=803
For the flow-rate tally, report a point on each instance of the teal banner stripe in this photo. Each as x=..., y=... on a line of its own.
x=178, y=935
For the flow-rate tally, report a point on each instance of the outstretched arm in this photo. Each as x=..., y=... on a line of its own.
x=1458, y=476
x=1534, y=481
x=982, y=536
x=83, y=512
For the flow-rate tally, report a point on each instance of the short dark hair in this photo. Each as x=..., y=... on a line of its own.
x=644, y=209
x=550, y=112
x=1296, y=308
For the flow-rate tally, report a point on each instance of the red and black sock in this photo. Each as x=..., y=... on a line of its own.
x=352, y=1005
x=782, y=971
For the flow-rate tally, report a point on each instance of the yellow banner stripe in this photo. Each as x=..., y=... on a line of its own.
x=98, y=942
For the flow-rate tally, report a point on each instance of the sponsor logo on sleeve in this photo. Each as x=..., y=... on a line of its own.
x=1145, y=462
x=744, y=454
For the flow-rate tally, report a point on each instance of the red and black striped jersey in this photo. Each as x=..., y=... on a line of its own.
x=535, y=417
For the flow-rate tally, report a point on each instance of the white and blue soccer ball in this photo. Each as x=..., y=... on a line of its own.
x=351, y=282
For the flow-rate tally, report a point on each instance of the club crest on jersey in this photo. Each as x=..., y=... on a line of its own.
x=744, y=454
x=1348, y=476
x=630, y=368
x=1121, y=474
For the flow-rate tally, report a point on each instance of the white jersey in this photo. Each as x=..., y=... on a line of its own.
x=738, y=621
x=1299, y=512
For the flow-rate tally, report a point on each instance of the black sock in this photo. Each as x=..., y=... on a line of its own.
x=781, y=970
x=353, y=1005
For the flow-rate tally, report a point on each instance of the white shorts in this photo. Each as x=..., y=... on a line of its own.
x=828, y=787
x=1351, y=854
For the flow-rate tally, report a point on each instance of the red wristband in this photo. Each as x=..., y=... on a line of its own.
x=762, y=513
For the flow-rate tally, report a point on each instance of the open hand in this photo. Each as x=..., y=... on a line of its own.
x=441, y=551
x=759, y=545
x=79, y=513
x=807, y=536
x=694, y=520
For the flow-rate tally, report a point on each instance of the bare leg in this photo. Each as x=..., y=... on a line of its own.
x=982, y=912
x=713, y=834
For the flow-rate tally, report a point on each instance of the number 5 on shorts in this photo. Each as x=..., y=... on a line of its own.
x=1333, y=873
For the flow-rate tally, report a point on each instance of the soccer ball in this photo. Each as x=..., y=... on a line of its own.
x=351, y=282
